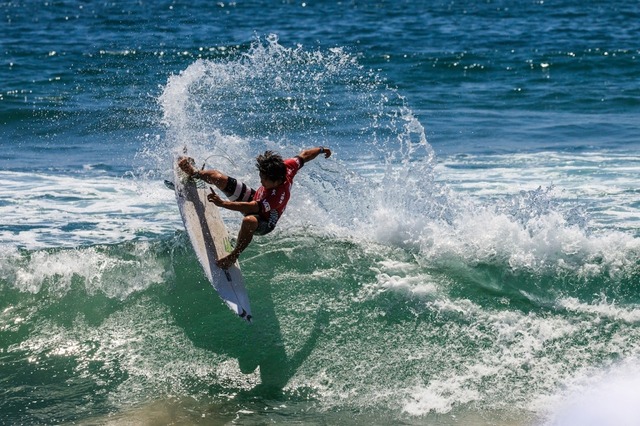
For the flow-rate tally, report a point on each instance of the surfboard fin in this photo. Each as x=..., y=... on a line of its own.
x=245, y=316
x=170, y=185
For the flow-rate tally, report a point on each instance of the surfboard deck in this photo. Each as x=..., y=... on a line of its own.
x=210, y=240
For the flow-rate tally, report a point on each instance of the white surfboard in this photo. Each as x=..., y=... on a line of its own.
x=210, y=240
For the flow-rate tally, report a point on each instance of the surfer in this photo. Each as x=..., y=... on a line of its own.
x=262, y=208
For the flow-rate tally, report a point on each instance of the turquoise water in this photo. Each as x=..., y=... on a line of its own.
x=468, y=256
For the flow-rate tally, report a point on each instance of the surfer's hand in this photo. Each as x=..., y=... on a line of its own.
x=186, y=164
x=215, y=199
x=327, y=152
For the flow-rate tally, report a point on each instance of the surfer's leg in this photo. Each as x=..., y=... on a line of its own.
x=215, y=177
x=237, y=191
x=212, y=176
x=245, y=235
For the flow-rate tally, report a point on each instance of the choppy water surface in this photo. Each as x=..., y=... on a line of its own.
x=469, y=255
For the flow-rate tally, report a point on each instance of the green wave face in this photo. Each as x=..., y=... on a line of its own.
x=339, y=326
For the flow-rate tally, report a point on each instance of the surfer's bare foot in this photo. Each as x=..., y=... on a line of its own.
x=186, y=164
x=227, y=262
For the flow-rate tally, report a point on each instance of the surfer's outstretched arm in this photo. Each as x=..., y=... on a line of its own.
x=311, y=153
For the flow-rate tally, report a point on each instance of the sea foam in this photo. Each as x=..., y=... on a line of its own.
x=609, y=398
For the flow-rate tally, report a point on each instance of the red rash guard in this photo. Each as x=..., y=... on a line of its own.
x=273, y=202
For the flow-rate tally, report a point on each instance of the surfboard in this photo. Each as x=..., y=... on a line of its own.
x=210, y=241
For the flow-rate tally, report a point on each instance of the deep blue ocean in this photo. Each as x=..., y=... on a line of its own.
x=470, y=254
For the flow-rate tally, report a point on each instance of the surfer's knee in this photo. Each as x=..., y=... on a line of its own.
x=250, y=222
x=245, y=235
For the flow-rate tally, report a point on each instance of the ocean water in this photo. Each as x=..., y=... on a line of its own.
x=470, y=254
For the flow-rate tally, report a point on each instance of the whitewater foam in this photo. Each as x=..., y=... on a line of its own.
x=46, y=211
x=488, y=211
x=608, y=397
x=115, y=271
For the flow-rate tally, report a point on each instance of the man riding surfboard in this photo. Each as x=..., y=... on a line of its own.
x=262, y=208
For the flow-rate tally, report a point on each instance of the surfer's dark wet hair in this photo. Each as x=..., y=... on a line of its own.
x=271, y=165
